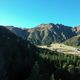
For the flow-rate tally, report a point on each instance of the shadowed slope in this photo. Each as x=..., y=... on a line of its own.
x=16, y=56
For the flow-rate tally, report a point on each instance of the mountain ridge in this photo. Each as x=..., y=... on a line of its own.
x=46, y=33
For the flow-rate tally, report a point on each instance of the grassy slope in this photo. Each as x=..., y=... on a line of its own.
x=74, y=41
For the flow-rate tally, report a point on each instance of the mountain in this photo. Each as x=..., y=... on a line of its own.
x=16, y=56
x=45, y=33
x=49, y=33
x=20, y=60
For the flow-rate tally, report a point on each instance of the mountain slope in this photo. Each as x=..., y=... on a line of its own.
x=16, y=56
x=18, y=31
x=74, y=41
x=48, y=33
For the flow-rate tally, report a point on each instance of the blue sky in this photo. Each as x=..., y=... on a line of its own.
x=30, y=13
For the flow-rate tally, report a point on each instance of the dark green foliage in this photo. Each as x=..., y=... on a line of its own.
x=57, y=66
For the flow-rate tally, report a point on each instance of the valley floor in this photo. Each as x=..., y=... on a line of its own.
x=62, y=48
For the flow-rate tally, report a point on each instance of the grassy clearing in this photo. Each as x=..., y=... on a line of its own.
x=62, y=48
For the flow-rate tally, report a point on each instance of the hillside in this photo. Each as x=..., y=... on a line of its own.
x=74, y=41
x=16, y=56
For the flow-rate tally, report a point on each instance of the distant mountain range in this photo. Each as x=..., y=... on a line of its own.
x=46, y=33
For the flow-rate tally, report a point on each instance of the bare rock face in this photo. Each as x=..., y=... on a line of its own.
x=16, y=56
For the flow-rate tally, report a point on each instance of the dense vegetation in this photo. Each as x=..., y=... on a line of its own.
x=51, y=65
